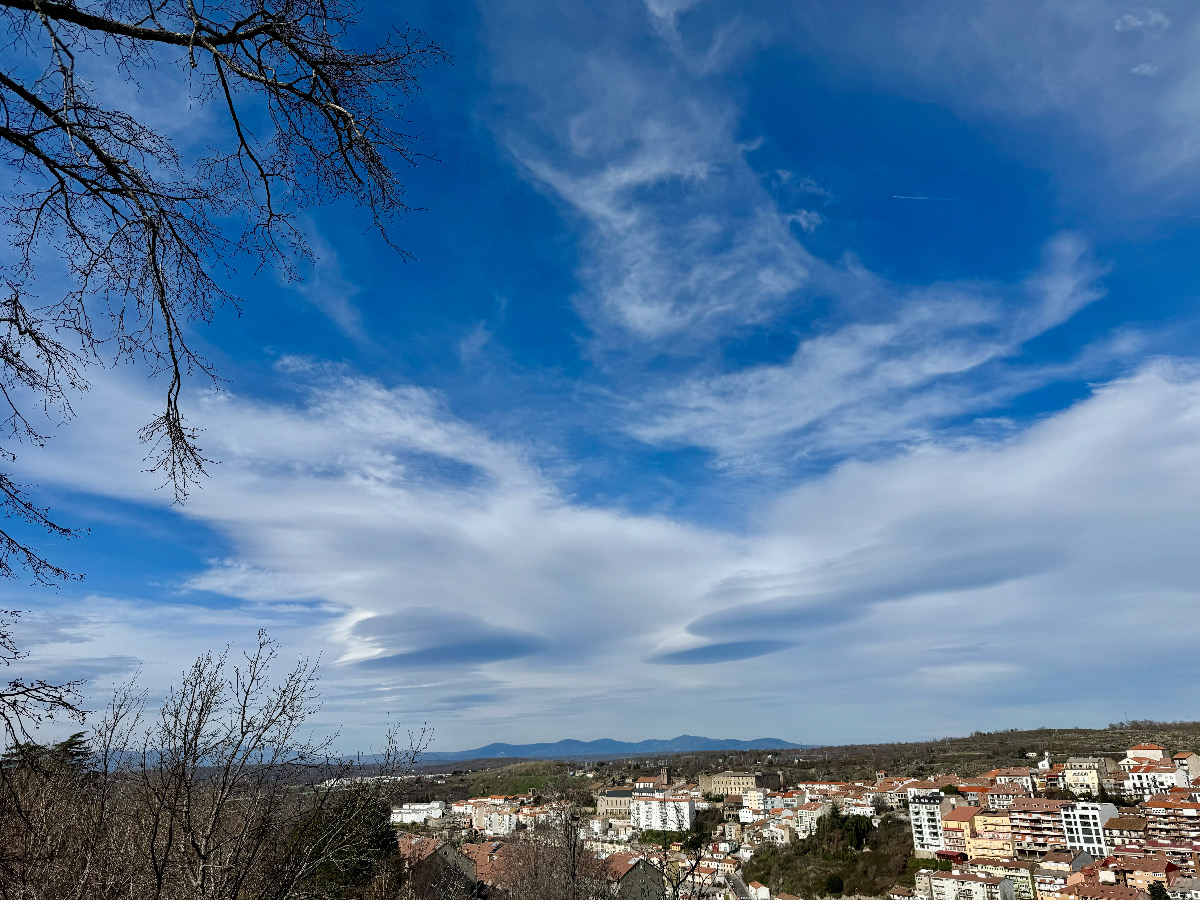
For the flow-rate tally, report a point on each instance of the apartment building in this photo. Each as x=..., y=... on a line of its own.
x=1001, y=796
x=1185, y=889
x=499, y=820
x=1081, y=775
x=1189, y=762
x=1090, y=890
x=414, y=813
x=1172, y=819
x=1125, y=829
x=1037, y=824
x=1083, y=824
x=807, y=815
x=1019, y=872
x=1185, y=854
x=662, y=813
x=956, y=829
x=1055, y=869
x=1152, y=778
x=1020, y=776
x=991, y=834
x=926, y=806
x=969, y=886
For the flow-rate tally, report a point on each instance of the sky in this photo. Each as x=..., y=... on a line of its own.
x=827, y=372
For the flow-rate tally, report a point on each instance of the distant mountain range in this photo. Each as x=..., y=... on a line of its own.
x=568, y=749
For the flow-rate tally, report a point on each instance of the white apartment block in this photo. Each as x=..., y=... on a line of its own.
x=807, y=815
x=499, y=821
x=925, y=808
x=412, y=813
x=662, y=813
x=1084, y=826
x=1154, y=778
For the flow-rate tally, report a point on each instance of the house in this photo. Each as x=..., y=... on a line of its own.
x=1137, y=871
x=969, y=886
x=1082, y=774
x=758, y=891
x=434, y=868
x=1141, y=754
x=974, y=794
x=900, y=892
x=633, y=877
x=485, y=861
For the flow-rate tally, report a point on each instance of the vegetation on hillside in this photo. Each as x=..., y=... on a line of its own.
x=970, y=755
x=845, y=855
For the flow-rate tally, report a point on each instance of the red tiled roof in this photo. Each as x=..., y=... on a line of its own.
x=961, y=814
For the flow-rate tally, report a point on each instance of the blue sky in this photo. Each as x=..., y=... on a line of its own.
x=821, y=371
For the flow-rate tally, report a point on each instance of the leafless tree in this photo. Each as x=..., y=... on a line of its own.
x=26, y=703
x=221, y=795
x=551, y=861
x=139, y=234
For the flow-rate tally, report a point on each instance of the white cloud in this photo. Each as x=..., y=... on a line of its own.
x=682, y=240
x=1149, y=18
x=444, y=577
x=886, y=380
x=326, y=287
x=1027, y=60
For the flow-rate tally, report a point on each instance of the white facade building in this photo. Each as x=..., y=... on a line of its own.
x=925, y=808
x=1084, y=825
x=499, y=821
x=1154, y=778
x=662, y=813
x=413, y=813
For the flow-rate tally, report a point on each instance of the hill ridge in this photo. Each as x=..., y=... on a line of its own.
x=569, y=748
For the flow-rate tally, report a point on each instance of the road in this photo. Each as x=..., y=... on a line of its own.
x=739, y=886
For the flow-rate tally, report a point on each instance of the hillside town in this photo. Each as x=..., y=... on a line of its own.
x=1080, y=828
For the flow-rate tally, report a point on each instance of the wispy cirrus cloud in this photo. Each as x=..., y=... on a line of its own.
x=867, y=382
x=682, y=240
